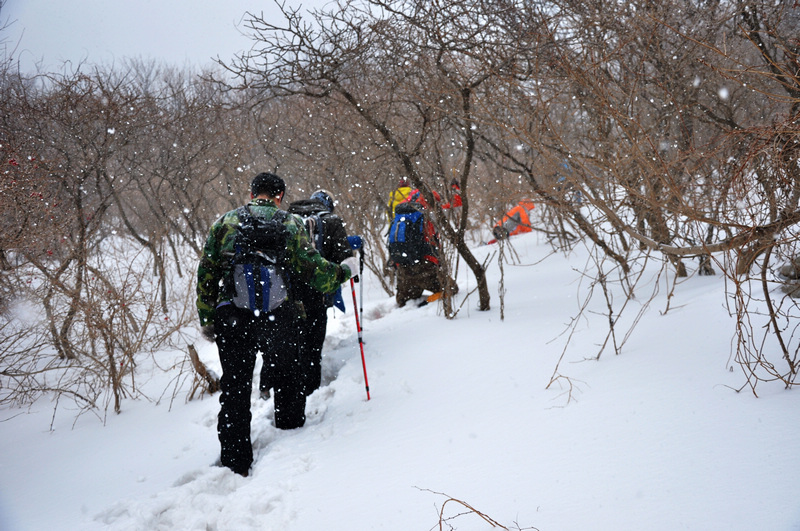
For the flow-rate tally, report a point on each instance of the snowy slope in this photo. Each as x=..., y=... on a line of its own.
x=655, y=438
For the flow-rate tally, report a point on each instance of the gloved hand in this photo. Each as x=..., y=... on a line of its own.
x=355, y=242
x=208, y=332
x=352, y=264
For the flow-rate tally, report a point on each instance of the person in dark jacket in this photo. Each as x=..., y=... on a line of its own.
x=329, y=236
x=413, y=279
x=240, y=333
x=422, y=270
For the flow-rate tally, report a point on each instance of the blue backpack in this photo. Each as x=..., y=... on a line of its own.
x=260, y=279
x=407, y=242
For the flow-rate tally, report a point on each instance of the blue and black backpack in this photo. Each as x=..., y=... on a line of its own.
x=260, y=278
x=407, y=242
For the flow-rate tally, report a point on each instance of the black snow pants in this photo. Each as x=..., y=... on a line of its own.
x=310, y=340
x=240, y=337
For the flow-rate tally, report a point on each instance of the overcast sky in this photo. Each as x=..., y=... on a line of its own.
x=178, y=32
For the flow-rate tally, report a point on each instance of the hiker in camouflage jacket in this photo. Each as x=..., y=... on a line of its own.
x=307, y=265
x=241, y=333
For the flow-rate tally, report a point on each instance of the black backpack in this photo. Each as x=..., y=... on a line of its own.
x=407, y=242
x=312, y=212
x=260, y=278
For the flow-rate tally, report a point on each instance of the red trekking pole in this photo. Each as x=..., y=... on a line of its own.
x=360, y=339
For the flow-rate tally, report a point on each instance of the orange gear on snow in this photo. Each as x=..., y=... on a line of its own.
x=516, y=221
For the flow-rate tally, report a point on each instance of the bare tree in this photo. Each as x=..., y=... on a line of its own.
x=63, y=233
x=667, y=117
x=372, y=66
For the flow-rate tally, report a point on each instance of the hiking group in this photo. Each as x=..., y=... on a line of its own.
x=266, y=280
x=262, y=287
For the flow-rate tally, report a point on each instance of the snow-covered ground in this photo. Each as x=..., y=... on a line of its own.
x=653, y=439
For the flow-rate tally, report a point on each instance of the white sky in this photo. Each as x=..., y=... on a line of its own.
x=178, y=32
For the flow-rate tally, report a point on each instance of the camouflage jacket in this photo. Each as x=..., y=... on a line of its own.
x=213, y=272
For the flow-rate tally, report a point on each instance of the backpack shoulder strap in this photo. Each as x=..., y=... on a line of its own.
x=244, y=214
x=312, y=225
x=245, y=218
x=280, y=215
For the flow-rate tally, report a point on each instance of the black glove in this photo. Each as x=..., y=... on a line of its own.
x=208, y=332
